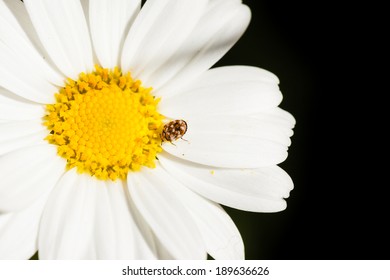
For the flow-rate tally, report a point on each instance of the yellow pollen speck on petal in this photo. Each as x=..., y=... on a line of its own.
x=105, y=124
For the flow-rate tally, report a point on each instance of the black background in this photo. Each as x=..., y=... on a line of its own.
x=328, y=60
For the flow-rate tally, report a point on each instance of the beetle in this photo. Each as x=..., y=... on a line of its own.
x=174, y=130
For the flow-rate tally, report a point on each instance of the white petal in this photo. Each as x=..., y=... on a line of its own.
x=14, y=108
x=165, y=213
x=233, y=142
x=5, y=11
x=157, y=34
x=26, y=174
x=17, y=129
x=66, y=225
x=23, y=142
x=217, y=31
x=15, y=135
x=162, y=252
x=19, y=75
x=15, y=13
x=230, y=151
x=87, y=218
x=237, y=73
x=247, y=126
x=132, y=237
x=22, y=70
x=109, y=23
x=25, y=41
x=278, y=118
x=19, y=231
x=63, y=31
x=220, y=235
x=256, y=190
x=235, y=90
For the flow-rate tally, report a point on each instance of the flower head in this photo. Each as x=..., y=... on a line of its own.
x=117, y=140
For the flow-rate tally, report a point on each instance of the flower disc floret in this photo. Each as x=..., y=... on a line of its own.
x=105, y=124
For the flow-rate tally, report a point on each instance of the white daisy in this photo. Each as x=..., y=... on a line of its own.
x=85, y=90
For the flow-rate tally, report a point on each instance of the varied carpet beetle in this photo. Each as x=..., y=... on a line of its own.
x=174, y=130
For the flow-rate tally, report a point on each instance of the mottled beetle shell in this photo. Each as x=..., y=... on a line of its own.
x=174, y=130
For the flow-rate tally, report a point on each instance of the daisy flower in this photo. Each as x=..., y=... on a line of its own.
x=117, y=140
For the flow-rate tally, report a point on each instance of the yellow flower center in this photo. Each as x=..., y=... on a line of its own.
x=105, y=124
